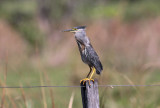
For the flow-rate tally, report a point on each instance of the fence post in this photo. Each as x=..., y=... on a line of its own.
x=90, y=95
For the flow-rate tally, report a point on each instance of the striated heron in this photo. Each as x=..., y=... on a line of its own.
x=87, y=52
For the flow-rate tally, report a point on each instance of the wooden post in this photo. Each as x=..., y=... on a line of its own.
x=90, y=95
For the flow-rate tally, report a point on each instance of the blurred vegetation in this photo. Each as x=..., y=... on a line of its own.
x=22, y=16
x=125, y=33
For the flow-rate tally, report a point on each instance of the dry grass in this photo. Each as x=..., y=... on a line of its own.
x=129, y=53
x=71, y=100
x=11, y=43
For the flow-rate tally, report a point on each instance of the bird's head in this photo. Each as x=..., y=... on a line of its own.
x=76, y=29
x=80, y=34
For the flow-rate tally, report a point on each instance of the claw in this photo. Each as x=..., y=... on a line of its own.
x=86, y=79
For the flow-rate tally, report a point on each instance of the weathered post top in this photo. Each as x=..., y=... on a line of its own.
x=90, y=95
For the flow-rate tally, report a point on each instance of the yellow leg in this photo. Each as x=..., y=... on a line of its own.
x=89, y=76
x=92, y=73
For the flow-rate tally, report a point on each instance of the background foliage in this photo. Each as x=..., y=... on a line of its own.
x=34, y=51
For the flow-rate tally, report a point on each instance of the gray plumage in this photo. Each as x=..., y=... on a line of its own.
x=88, y=54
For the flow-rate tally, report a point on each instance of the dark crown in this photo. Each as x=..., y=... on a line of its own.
x=80, y=27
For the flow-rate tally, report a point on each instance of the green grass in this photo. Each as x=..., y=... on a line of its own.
x=29, y=75
x=120, y=67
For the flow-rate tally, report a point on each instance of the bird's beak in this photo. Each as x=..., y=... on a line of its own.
x=69, y=30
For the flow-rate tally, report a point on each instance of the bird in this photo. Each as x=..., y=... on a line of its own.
x=87, y=52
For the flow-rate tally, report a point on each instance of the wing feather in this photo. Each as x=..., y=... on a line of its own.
x=94, y=59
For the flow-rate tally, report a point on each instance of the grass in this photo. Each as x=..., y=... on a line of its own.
x=28, y=75
x=129, y=53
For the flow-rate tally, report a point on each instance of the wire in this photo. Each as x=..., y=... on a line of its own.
x=37, y=86
x=127, y=85
x=77, y=86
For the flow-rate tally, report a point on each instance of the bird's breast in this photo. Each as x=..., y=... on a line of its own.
x=83, y=52
x=84, y=55
x=82, y=47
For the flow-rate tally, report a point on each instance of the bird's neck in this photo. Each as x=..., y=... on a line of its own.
x=87, y=41
x=81, y=36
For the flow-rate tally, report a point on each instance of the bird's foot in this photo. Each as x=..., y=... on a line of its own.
x=86, y=79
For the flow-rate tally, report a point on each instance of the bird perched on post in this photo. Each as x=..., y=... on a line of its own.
x=88, y=54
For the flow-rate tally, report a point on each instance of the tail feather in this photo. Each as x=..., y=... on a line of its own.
x=99, y=68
